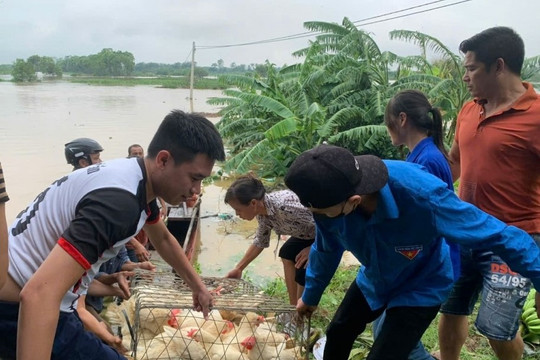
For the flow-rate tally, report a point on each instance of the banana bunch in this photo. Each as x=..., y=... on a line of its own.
x=531, y=323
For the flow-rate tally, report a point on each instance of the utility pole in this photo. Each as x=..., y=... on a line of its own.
x=191, y=78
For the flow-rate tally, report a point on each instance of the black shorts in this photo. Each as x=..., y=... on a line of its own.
x=290, y=249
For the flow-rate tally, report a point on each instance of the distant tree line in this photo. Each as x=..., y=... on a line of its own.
x=109, y=62
x=184, y=69
x=106, y=63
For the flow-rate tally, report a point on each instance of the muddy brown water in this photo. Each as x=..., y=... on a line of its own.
x=37, y=120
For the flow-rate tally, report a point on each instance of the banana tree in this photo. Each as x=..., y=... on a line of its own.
x=267, y=122
x=440, y=80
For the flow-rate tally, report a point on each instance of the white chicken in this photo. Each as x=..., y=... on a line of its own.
x=215, y=349
x=246, y=328
x=274, y=338
x=215, y=324
x=171, y=344
x=153, y=319
x=264, y=351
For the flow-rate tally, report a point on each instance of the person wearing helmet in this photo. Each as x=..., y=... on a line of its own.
x=82, y=152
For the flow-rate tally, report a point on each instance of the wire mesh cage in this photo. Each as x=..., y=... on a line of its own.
x=159, y=322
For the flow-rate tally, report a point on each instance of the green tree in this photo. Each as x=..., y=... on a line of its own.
x=49, y=67
x=23, y=71
x=200, y=72
x=106, y=63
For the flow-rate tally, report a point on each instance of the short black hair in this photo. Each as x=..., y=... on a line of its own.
x=494, y=43
x=131, y=147
x=185, y=135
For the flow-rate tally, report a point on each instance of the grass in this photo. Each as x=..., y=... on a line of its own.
x=476, y=347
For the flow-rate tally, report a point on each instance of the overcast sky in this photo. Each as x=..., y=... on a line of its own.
x=164, y=30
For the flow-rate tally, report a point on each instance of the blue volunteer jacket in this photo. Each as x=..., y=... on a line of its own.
x=404, y=262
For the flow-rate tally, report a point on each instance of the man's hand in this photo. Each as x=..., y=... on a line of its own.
x=141, y=253
x=146, y=265
x=122, y=279
x=203, y=301
x=303, y=309
x=115, y=342
x=234, y=274
x=302, y=258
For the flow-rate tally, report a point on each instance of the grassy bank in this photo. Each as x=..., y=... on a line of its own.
x=164, y=82
x=476, y=346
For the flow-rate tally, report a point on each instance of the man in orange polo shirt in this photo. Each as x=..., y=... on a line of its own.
x=496, y=155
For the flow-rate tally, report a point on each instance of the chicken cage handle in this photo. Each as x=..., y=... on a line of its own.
x=129, y=325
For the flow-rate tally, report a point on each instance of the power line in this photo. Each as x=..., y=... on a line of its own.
x=187, y=57
x=416, y=12
x=362, y=22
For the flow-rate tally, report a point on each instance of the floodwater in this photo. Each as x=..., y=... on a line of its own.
x=36, y=120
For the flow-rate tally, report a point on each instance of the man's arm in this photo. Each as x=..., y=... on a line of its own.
x=145, y=265
x=455, y=163
x=98, y=327
x=3, y=245
x=40, y=303
x=171, y=251
x=103, y=286
x=465, y=224
x=324, y=258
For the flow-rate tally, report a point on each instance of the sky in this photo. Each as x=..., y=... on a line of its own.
x=163, y=31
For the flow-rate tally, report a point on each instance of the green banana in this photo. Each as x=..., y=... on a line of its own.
x=532, y=320
x=528, y=312
x=529, y=304
x=533, y=323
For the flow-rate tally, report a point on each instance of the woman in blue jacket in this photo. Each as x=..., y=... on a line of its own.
x=413, y=122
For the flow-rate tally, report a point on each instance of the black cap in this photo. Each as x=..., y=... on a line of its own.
x=328, y=175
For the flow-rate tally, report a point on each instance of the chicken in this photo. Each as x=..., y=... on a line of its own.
x=274, y=338
x=246, y=328
x=170, y=344
x=215, y=324
x=215, y=349
x=265, y=351
x=153, y=319
x=231, y=315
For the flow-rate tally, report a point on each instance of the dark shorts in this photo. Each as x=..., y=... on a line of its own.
x=290, y=249
x=71, y=341
x=503, y=293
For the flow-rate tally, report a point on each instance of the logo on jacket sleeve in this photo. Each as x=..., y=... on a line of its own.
x=409, y=252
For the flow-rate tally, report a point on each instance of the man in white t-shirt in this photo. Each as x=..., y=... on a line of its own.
x=83, y=219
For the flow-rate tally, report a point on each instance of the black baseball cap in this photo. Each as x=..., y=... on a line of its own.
x=328, y=175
